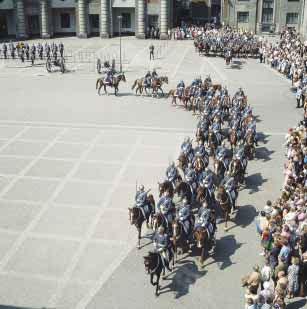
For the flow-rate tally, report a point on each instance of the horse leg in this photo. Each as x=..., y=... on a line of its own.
x=139, y=237
x=226, y=221
x=202, y=256
x=157, y=285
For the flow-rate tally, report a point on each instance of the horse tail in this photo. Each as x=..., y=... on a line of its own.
x=171, y=92
x=97, y=82
x=134, y=84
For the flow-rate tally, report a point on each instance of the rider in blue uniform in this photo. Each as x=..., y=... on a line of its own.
x=184, y=216
x=147, y=79
x=231, y=189
x=166, y=208
x=187, y=149
x=141, y=201
x=180, y=88
x=191, y=177
x=172, y=173
x=162, y=245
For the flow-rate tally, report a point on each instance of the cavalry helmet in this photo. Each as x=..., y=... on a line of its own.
x=161, y=229
x=141, y=187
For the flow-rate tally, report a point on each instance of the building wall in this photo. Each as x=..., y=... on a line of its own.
x=118, y=12
x=246, y=6
x=56, y=20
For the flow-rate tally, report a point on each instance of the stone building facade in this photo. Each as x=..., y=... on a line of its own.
x=47, y=18
x=264, y=16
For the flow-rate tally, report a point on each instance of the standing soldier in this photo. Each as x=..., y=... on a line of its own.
x=61, y=47
x=151, y=52
x=4, y=51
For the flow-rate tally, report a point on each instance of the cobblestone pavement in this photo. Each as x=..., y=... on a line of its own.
x=69, y=162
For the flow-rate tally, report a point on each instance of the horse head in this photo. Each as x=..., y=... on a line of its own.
x=200, y=235
x=134, y=213
x=122, y=77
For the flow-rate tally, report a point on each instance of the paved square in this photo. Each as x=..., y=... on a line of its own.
x=69, y=166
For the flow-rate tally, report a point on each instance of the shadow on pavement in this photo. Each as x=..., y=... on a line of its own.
x=185, y=276
x=225, y=248
x=244, y=216
x=262, y=153
x=297, y=304
x=263, y=138
x=254, y=182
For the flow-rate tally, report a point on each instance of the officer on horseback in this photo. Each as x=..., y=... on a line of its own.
x=216, y=128
x=191, y=177
x=206, y=219
x=141, y=201
x=200, y=151
x=154, y=74
x=241, y=156
x=223, y=154
x=147, y=79
x=165, y=207
x=230, y=187
x=172, y=174
x=180, y=88
x=162, y=245
x=206, y=181
x=187, y=148
x=184, y=216
x=109, y=74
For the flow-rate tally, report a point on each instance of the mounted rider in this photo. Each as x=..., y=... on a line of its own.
x=180, y=88
x=166, y=208
x=206, y=219
x=109, y=74
x=206, y=180
x=223, y=154
x=231, y=189
x=162, y=245
x=141, y=201
x=187, y=149
x=147, y=79
x=200, y=151
x=239, y=93
x=154, y=74
x=241, y=156
x=184, y=216
x=216, y=128
x=251, y=129
x=191, y=177
x=172, y=173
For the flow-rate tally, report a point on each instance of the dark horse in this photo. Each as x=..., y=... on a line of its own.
x=201, y=237
x=157, y=85
x=213, y=142
x=233, y=139
x=116, y=80
x=236, y=170
x=219, y=169
x=137, y=217
x=180, y=238
x=224, y=201
x=203, y=195
x=183, y=189
x=249, y=147
x=166, y=186
x=154, y=266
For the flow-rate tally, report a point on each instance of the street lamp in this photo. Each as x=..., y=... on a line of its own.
x=120, y=41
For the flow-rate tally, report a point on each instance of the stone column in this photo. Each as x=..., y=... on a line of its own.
x=45, y=33
x=259, y=21
x=82, y=19
x=163, y=19
x=141, y=19
x=20, y=20
x=104, y=19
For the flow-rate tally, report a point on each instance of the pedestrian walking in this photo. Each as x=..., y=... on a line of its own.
x=151, y=52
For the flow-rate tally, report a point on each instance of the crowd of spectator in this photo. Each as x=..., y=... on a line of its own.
x=282, y=226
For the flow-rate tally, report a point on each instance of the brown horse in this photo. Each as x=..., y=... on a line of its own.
x=225, y=204
x=249, y=147
x=157, y=85
x=202, y=242
x=137, y=218
x=116, y=80
x=166, y=186
x=179, y=238
x=183, y=161
x=236, y=171
x=138, y=85
x=213, y=142
x=199, y=165
x=233, y=139
x=219, y=169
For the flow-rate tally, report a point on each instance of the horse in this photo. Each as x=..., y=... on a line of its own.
x=137, y=218
x=236, y=170
x=154, y=266
x=233, y=139
x=138, y=85
x=174, y=94
x=166, y=186
x=183, y=189
x=179, y=238
x=157, y=85
x=183, y=161
x=225, y=204
x=201, y=237
x=116, y=80
x=213, y=142
x=199, y=164
x=219, y=169
x=249, y=147
x=202, y=195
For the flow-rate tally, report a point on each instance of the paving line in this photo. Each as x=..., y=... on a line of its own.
x=5, y=259
x=74, y=262
x=18, y=243
x=180, y=61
